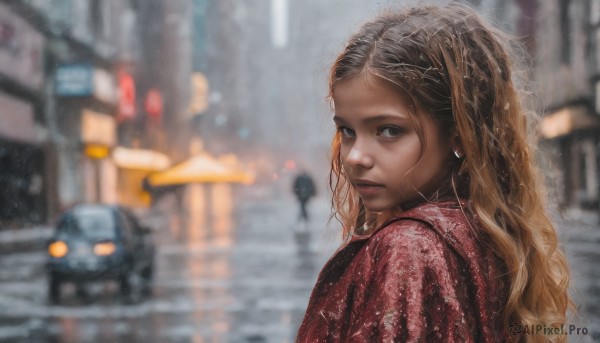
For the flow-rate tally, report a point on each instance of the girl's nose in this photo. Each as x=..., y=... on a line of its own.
x=359, y=158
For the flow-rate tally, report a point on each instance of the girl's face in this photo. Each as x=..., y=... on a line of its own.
x=380, y=149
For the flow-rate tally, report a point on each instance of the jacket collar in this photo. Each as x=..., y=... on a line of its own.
x=423, y=212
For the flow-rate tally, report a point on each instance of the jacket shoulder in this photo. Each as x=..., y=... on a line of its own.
x=406, y=237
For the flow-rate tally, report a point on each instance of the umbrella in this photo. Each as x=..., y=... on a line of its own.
x=201, y=168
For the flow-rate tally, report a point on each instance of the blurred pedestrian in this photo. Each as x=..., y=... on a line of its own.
x=304, y=189
x=434, y=182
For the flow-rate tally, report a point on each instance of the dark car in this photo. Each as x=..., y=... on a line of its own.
x=97, y=242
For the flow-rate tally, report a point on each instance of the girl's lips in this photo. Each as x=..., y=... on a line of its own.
x=363, y=182
x=366, y=189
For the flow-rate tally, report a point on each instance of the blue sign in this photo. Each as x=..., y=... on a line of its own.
x=74, y=80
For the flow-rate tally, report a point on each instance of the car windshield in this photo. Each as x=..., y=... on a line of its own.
x=90, y=222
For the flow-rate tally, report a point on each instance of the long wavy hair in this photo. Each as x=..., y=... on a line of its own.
x=447, y=61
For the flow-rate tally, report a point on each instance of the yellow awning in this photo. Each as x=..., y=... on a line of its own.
x=201, y=168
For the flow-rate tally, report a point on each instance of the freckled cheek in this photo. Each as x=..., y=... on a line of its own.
x=405, y=156
x=411, y=174
x=429, y=173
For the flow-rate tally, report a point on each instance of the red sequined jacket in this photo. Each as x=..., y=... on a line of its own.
x=424, y=276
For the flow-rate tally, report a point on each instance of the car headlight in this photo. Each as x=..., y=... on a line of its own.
x=104, y=249
x=58, y=249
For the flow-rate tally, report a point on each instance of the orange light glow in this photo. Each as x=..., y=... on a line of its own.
x=58, y=249
x=96, y=151
x=104, y=249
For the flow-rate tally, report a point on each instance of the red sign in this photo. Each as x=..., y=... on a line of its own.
x=126, y=96
x=154, y=104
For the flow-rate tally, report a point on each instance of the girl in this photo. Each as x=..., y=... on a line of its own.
x=434, y=182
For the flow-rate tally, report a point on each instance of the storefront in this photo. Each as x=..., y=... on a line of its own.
x=23, y=160
x=572, y=134
x=22, y=184
x=98, y=135
x=134, y=166
x=86, y=109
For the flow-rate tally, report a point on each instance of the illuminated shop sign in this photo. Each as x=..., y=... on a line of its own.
x=82, y=79
x=75, y=80
x=126, y=96
x=154, y=104
x=98, y=128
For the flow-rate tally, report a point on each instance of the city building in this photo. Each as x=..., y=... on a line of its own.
x=93, y=96
x=566, y=72
x=23, y=133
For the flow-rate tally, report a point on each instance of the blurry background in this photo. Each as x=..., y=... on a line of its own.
x=116, y=101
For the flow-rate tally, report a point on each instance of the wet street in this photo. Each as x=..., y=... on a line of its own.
x=236, y=270
x=581, y=234
x=236, y=273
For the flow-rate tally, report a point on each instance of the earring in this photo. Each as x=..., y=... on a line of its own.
x=457, y=154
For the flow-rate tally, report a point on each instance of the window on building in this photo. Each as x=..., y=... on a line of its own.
x=526, y=23
x=596, y=45
x=595, y=12
x=134, y=5
x=96, y=18
x=565, y=30
x=598, y=97
x=279, y=23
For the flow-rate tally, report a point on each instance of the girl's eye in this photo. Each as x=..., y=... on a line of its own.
x=346, y=132
x=389, y=131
